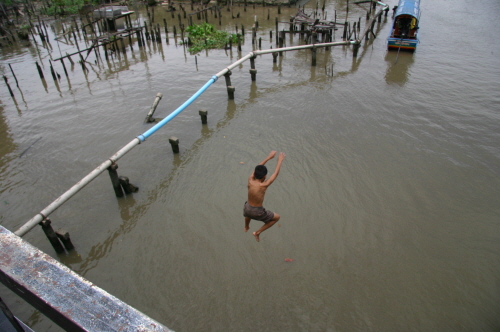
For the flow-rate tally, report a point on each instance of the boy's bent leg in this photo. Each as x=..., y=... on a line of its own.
x=266, y=226
x=247, y=224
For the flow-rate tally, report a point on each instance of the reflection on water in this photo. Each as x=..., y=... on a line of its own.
x=398, y=67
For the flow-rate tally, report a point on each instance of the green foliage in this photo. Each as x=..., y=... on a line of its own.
x=205, y=36
x=6, y=2
x=62, y=7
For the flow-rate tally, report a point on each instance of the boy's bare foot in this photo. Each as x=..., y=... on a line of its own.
x=256, y=236
x=246, y=228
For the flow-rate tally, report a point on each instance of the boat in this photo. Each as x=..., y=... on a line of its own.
x=404, y=31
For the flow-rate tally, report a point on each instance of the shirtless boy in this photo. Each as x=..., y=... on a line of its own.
x=257, y=186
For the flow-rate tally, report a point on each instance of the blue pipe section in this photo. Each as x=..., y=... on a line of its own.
x=181, y=108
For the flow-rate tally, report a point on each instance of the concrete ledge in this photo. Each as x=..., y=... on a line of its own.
x=68, y=299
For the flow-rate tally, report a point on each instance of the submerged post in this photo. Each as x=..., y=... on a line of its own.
x=313, y=62
x=128, y=187
x=115, y=181
x=230, y=88
x=65, y=239
x=203, y=114
x=253, y=71
x=355, y=49
x=174, y=142
x=8, y=86
x=51, y=235
x=275, y=56
x=39, y=70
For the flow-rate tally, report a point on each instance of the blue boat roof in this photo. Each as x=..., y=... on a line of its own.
x=408, y=7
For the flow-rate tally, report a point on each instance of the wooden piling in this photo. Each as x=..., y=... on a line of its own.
x=253, y=71
x=276, y=23
x=138, y=36
x=128, y=187
x=12, y=71
x=52, y=71
x=230, y=88
x=355, y=50
x=313, y=62
x=8, y=86
x=69, y=58
x=203, y=114
x=65, y=239
x=39, y=70
x=52, y=236
x=64, y=67
x=115, y=181
x=174, y=142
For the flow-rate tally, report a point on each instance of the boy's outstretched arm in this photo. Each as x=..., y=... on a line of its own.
x=269, y=157
x=273, y=177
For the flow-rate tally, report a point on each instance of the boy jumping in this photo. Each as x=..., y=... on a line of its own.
x=257, y=186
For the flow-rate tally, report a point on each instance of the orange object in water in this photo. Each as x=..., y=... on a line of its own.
x=288, y=260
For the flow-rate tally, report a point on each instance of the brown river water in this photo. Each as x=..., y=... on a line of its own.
x=389, y=195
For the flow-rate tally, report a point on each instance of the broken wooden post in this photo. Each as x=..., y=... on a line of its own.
x=115, y=181
x=51, y=235
x=355, y=49
x=230, y=88
x=65, y=239
x=203, y=114
x=276, y=23
x=64, y=67
x=313, y=62
x=138, y=36
x=128, y=187
x=149, y=117
x=52, y=71
x=8, y=86
x=275, y=56
x=253, y=71
x=69, y=58
x=39, y=70
x=174, y=142
x=17, y=83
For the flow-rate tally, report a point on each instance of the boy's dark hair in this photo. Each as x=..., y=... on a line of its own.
x=260, y=171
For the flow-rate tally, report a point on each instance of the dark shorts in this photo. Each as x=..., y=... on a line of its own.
x=257, y=213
